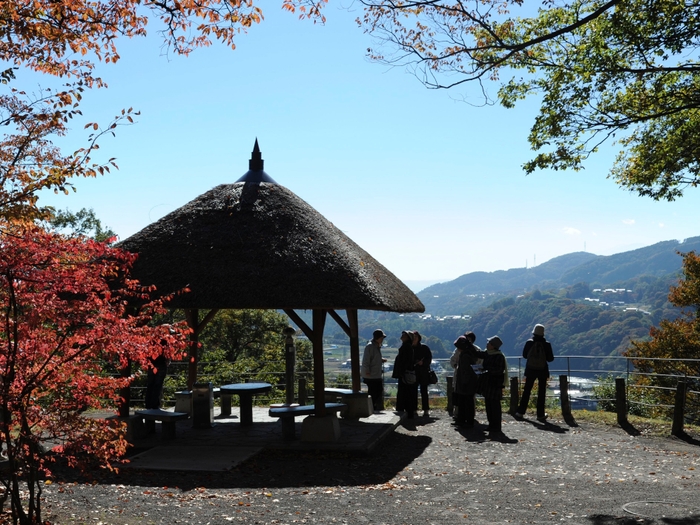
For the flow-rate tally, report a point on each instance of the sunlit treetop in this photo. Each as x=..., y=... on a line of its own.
x=66, y=37
x=623, y=71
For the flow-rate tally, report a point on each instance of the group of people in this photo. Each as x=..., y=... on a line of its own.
x=476, y=371
x=486, y=373
x=411, y=369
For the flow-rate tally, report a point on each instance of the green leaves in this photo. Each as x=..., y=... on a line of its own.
x=620, y=71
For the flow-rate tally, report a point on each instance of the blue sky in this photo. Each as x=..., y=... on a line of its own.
x=428, y=184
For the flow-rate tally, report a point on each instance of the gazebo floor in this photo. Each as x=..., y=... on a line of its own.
x=227, y=443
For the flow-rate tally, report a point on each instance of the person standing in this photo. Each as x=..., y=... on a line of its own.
x=538, y=353
x=157, y=370
x=496, y=379
x=405, y=372
x=466, y=355
x=423, y=358
x=372, y=362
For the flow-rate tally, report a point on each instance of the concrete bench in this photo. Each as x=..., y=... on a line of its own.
x=167, y=419
x=359, y=404
x=287, y=413
x=335, y=394
x=183, y=400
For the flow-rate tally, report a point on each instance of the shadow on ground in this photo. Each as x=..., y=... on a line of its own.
x=278, y=469
x=616, y=520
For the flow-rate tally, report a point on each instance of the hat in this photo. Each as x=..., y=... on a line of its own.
x=470, y=335
x=408, y=333
x=462, y=343
x=416, y=334
x=495, y=341
x=377, y=334
x=538, y=330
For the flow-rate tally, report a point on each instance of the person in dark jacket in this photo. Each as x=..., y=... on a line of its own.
x=466, y=355
x=155, y=378
x=494, y=365
x=536, y=369
x=423, y=358
x=407, y=392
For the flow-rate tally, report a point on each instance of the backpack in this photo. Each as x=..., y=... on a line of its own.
x=536, y=357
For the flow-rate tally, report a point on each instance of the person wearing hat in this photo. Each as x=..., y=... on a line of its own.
x=538, y=353
x=405, y=373
x=372, y=362
x=495, y=380
x=423, y=358
x=465, y=356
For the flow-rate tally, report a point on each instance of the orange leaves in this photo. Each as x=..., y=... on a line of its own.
x=47, y=35
x=66, y=38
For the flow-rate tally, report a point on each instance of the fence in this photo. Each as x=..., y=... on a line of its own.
x=620, y=384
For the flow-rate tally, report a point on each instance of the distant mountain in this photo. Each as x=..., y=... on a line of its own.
x=657, y=260
x=478, y=289
x=591, y=305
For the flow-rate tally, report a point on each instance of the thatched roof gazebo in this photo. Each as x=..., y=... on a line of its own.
x=255, y=244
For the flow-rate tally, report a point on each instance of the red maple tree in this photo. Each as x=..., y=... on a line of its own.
x=68, y=325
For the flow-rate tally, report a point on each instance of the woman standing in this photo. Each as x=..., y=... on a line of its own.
x=538, y=352
x=405, y=372
x=423, y=358
x=495, y=380
x=465, y=355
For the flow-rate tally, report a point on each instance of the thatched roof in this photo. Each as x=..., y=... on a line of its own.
x=258, y=245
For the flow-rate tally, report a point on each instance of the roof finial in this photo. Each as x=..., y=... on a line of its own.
x=256, y=162
x=255, y=171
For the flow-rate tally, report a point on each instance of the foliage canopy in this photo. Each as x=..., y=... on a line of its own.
x=65, y=39
x=623, y=71
x=679, y=338
x=66, y=331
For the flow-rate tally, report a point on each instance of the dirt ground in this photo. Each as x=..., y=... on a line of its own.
x=428, y=472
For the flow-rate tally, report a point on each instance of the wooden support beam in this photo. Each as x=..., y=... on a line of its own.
x=319, y=322
x=315, y=335
x=192, y=317
x=308, y=332
x=354, y=350
x=351, y=330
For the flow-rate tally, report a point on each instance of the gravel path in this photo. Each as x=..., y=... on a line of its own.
x=428, y=472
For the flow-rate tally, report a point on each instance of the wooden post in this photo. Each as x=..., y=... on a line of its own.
x=192, y=316
x=290, y=363
x=319, y=323
x=621, y=401
x=450, y=406
x=564, y=399
x=123, y=407
x=514, y=396
x=354, y=350
x=303, y=394
x=678, y=410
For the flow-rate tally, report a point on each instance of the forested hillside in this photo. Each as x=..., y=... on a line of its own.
x=591, y=305
x=469, y=292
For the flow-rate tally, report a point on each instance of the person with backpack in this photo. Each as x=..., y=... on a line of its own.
x=495, y=380
x=538, y=353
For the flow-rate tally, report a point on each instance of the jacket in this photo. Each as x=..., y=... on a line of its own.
x=462, y=361
x=549, y=354
x=495, y=375
x=372, y=361
x=422, y=352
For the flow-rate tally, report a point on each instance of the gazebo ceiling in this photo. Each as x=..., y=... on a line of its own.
x=255, y=244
